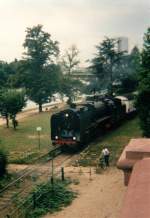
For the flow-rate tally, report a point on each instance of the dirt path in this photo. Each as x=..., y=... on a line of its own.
x=100, y=197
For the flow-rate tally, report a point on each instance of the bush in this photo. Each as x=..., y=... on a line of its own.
x=3, y=163
x=143, y=107
x=50, y=198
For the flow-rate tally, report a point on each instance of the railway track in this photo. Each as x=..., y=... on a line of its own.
x=28, y=178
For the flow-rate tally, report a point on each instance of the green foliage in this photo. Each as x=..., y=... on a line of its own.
x=40, y=47
x=3, y=163
x=70, y=87
x=14, y=77
x=50, y=198
x=40, y=74
x=6, y=179
x=26, y=158
x=11, y=102
x=41, y=89
x=6, y=72
x=127, y=85
x=3, y=74
x=143, y=103
x=106, y=60
x=129, y=64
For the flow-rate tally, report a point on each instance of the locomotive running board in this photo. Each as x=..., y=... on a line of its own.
x=102, y=119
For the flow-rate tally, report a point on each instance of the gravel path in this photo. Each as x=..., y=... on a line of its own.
x=100, y=197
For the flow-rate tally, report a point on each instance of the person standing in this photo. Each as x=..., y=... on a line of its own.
x=106, y=154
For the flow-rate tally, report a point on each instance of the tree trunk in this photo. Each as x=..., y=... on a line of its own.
x=40, y=108
x=14, y=122
x=7, y=121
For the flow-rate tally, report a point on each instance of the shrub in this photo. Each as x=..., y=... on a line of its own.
x=3, y=163
x=50, y=198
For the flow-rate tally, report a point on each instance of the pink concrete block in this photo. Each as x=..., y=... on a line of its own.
x=137, y=199
x=137, y=155
x=137, y=149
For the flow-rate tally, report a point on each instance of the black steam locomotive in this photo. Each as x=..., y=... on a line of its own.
x=78, y=124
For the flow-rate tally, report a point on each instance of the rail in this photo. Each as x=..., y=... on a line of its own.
x=22, y=207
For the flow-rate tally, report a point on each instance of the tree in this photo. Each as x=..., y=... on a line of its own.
x=143, y=102
x=107, y=57
x=9, y=73
x=129, y=65
x=127, y=84
x=11, y=102
x=70, y=87
x=45, y=86
x=5, y=72
x=70, y=60
x=39, y=65
x=127, y=71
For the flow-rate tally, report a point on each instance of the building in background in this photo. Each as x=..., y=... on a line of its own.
x=123, y=44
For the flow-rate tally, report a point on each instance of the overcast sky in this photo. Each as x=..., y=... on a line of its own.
x=80, y=22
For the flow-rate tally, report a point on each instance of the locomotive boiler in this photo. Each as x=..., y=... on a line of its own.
x=78, y=124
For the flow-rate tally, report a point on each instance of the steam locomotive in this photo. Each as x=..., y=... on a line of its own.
x=78, y=124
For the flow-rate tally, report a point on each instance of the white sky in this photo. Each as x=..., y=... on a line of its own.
x=80, y=22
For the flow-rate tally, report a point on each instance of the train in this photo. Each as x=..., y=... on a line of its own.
x=78, y=124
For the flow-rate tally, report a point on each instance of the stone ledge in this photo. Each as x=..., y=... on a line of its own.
x=136, y=150
x=137, y=198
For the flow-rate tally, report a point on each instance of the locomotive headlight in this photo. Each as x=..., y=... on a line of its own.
x=56, y=137
x=66, y=115
x=74, y=138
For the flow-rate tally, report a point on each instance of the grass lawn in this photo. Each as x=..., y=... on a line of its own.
x=22, y=144
x=115, y=140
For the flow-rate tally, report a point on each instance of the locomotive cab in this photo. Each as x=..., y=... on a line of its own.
x=65, y=127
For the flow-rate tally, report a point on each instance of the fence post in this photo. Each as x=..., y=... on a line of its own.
x=52, y=172
x=90, y=174
x=62, y=174
x=34, y=200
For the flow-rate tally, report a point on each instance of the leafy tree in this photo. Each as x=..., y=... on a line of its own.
x=128, y=84
x=70, y=60
x=39, y=68
x=11, y=102
x=3, y=78
x=126, y=73
x=129, y=65
x=106, y=60
x=134, y=61
x=70, y=87
x=5, y=72
x=143, y=102
x=13, y=72
x=47, y=84
x=8, y=74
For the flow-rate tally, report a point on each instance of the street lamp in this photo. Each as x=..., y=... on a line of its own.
x=39, y=129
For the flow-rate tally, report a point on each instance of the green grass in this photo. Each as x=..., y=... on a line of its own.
x=22, y=144
x=115, y=140
x=7, y=178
